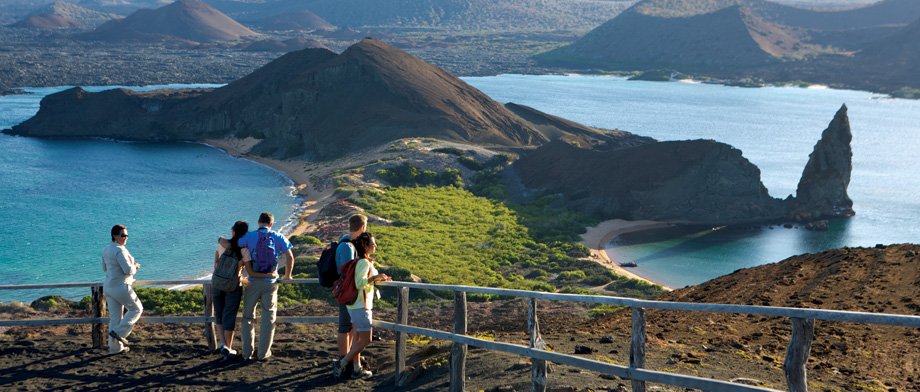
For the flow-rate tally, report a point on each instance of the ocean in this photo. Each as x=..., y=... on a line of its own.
x=776, y=128
x=59, y=198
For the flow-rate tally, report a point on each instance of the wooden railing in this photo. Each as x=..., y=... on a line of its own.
x=794, y=366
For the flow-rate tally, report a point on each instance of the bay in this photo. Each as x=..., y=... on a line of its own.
x=59, y=198
x=775, y=128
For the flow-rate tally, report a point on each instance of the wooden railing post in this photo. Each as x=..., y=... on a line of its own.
x=98, y=330
x=458, y=351
x=803, y=332
x=209, y=334
x=402, y=318
x=637, y=346
x=537, y=366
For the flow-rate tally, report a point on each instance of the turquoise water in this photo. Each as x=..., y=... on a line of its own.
x=776, y=128
x=59, y=198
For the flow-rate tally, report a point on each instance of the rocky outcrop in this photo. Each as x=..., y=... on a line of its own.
x=822, y=190
x=698, y=180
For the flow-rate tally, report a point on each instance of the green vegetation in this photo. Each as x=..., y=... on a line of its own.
x=53, y=303
x=603, y=310
x=305, y=240
x=448, y=235
x=410, y=175
x=450, y=150
x=165, y=301
x=907, y=92
x=634, y=288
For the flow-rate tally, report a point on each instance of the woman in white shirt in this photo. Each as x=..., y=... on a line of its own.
x=120, y=267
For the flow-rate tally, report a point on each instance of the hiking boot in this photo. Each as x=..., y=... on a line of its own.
x=360, y=373
x=118, y=338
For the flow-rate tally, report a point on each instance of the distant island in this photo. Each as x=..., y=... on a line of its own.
x=752, y=42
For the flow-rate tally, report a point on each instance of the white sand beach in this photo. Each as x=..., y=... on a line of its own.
x=596, y=239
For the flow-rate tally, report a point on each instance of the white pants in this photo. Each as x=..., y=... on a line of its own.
x=118, y=298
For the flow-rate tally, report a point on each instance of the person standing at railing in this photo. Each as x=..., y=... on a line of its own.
x=346, y=252
x=228, y=295
x=120, y=267
x=261, y=250
x=361, y=311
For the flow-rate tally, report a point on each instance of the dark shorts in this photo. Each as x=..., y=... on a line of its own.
x=344, y=320
x=226, y=305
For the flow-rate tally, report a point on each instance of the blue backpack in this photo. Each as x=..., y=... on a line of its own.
x=263, y=256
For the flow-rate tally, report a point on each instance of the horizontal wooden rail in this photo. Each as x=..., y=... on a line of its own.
x=156, y=319
x=47, y=286
x=817, y=314
x=190, y=282
x=794, y=366
x=584, y=363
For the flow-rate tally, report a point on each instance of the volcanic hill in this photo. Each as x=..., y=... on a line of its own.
x=845, y=356
x=752, y=39
x=314, y=103
x=299, y=20
x=183, y=20
x=64, y=15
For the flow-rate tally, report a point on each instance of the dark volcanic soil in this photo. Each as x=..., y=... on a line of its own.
x=750, y=349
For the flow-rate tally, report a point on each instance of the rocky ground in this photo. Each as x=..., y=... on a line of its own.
x=748, y=349
x=37, y=59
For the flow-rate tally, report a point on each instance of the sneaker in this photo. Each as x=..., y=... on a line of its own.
x=360, y=373
x=123, y=350
x=337, y=369
x=118, y=338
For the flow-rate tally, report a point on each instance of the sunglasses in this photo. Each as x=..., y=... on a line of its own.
x=124, y=235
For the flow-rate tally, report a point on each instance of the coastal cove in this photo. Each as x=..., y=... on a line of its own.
x=60, y=197
x=776, y=129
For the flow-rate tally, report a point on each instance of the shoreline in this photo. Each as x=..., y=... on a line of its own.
x=597, y=237
x=311, y=199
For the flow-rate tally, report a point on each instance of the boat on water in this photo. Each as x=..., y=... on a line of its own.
x=629, y=264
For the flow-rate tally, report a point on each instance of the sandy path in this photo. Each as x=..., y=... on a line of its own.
x=597, y=237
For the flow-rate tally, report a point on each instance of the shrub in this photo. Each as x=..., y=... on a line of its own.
x=305, y=240
x=171, y=302
x=572, y=275
x=52, y=303
x=471, y=163
x=449, y=150
x=410, y=175
x=603, y=310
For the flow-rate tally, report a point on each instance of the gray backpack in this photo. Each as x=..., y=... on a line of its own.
x=225, y=277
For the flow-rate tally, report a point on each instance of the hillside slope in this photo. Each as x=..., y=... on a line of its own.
x=189, y=20
x=64, y=15
x=635, y=40
x=844, y=355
